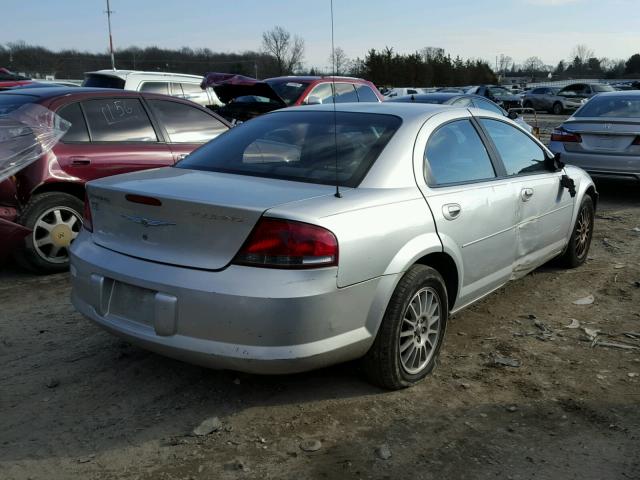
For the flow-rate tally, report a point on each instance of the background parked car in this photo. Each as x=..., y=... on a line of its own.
x=8, y=79
x=246, y=97
x=111, y=132
x=400, y=92
x=497, y=94
x=603, y=136
x=463, y=100
x=175, y=84
x=585, y=90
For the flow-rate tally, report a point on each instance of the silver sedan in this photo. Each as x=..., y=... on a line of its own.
x=308, y=237
x=603, y=137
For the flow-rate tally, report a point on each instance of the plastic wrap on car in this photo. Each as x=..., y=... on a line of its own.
x=27, y=133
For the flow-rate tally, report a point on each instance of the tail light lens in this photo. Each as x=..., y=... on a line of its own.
x=87, y=221
x=277, y=243
x=562, y=135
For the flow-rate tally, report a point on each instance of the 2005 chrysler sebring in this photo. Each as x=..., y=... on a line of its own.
x=244, y=255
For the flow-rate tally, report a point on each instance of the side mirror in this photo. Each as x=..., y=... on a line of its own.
x=512, y=115
x=313, y=100
x=553, y=164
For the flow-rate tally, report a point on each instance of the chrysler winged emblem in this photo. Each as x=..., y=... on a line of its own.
x=147, y=222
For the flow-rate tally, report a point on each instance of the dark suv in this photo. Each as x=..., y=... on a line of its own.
x=111, y=132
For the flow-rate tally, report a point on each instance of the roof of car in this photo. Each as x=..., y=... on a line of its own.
x=406, y=111
x=125, y=73
x=58, y=91
x=313, y=78
x=437, y=97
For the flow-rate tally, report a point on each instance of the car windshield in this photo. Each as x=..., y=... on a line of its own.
x=499, y=91
x=611, y=106
x=9, y=102
x=603, y=88
x=288, y=90
x=299, y=146
x=554, y=90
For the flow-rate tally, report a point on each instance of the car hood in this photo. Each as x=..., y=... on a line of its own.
x=228, y=86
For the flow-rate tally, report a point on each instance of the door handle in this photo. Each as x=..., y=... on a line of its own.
x=526, y=194
x=78, y=161
x=451, y=211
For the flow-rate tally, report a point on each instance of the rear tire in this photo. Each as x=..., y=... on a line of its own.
x=55, y=220
x=580, y=241
x=408, y=342
x=557, y=109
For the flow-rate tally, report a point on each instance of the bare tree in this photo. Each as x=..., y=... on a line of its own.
x=582, y=52
x=286, y=51
x=339, y=61
x=429, y=53
x=504, y=63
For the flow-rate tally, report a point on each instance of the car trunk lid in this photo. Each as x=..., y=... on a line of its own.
x=605, y=135
x=202, y=219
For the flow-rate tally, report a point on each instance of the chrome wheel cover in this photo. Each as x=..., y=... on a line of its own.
x=420, y=329
x=54, y=230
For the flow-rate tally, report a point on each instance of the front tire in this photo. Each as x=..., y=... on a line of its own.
x=55, y=220
x=557, y=109
x=408, y=342
x=580, y=241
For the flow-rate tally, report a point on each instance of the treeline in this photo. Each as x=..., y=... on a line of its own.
x=428, y=67
x=37, y=61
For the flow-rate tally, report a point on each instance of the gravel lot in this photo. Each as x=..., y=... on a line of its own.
x=76, y=402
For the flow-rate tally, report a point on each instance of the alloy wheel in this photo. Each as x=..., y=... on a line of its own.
x=420, y=330
x=583, y=230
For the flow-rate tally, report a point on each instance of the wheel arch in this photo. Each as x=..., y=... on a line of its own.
x=70, y=188
x=446, y=266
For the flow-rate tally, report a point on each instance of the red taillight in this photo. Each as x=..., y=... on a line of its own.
x=636, y=141
x=562, y=135
x=87, y=221
x=276, y=243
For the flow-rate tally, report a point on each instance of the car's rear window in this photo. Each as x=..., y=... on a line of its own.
x=611, y=106
x=103, y=81
x=300, y=146
x=10, y=102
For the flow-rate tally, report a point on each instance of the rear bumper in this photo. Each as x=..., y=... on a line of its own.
x=247, y=319
x=600, y=164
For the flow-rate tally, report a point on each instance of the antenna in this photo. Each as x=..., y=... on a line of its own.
x=109, y=12
x=335, y=115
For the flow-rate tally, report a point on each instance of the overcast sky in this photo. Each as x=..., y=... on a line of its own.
x=481, y=28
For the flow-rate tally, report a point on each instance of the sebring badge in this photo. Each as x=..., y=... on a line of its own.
x=147, y=222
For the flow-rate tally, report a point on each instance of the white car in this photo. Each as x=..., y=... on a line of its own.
x=175, y=84
x=401, y=92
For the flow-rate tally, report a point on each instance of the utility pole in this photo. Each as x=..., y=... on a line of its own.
x=109, y=12
x=255, y=67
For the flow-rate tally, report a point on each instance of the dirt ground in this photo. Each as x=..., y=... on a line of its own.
x=76, y=402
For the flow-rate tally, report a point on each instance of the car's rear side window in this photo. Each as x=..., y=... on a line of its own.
x=365, y=94
x=155, y=87
x=103, y=81
x=455, y=154
x=520, y=155
x=78, y=130
x=301, y=146
x=186, y=124
x=118, y=120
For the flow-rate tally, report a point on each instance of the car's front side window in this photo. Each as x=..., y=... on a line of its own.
x=455, y=153
x=519, y=153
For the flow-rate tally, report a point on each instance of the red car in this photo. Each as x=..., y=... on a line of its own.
x=8, y=79
x=246, y=97
x=112, y=132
